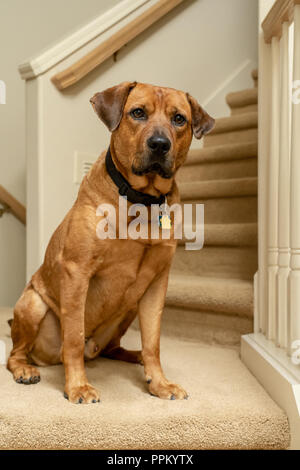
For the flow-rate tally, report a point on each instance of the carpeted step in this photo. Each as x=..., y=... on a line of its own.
x=237, y=100
x=230, y=296
x=233, y=129
x=228, y=210
x=251, y=108
x=207, y=327
x=212, y=189
x=242, y=98
x=221, y=153
x=228, y=235
x=232, y=137
x=228, y=201
x=220, y=162
x=217, y=261
x=234, y=98
x=227, y=408
x=217, y=171
x=234, y=123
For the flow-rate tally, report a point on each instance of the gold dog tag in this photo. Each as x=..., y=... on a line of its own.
x=165, y=221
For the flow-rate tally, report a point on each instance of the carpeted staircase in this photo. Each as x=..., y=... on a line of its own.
x=209, y=305
x=212, y=289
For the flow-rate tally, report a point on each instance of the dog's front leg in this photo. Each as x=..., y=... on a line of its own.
x=150, y=310
x=74, y=286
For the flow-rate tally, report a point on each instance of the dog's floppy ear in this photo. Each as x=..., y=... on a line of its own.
x=202, y=122
x=109, y=104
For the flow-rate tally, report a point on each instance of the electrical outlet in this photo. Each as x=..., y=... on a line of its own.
x=82, y=165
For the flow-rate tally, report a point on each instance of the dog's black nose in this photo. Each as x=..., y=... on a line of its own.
x=159, y=144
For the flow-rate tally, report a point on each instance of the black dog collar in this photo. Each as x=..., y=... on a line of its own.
x=125, y=189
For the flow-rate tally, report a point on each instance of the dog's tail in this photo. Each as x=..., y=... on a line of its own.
x=10, y=321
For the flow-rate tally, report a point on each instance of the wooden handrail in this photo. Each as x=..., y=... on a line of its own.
x=15, y=207
x=281, y=11
x=90, y=61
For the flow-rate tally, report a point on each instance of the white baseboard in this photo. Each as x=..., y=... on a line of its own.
x=277, y=375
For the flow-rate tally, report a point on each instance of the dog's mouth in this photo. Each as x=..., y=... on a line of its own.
x=162, y=169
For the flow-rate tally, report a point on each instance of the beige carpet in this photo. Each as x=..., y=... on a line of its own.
x=227, y=407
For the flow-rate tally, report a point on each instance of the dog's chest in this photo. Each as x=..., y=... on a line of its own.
x=123, y=275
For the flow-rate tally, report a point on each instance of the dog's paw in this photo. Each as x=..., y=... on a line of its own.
x=82, y=394
x=26, y=374
x=167, y=390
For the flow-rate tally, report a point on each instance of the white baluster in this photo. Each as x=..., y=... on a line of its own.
x=273, y=191
x=284, y=189
x=294, y=277
x=264, y=112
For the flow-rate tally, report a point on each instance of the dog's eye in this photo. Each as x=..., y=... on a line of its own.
x=179, y=120
x=138, y=113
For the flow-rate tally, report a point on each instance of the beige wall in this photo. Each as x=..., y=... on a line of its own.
x=200, y=47
x=26, y=28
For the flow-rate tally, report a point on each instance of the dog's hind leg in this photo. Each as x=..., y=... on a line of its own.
x=114, y=351
x=106, y=341
x=122, y=354
x=28, y=314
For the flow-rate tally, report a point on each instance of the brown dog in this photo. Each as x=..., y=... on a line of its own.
x=91, y=289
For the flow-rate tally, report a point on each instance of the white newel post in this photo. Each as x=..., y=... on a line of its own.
x=283, y=191
x=294, y=277
x=273, y=190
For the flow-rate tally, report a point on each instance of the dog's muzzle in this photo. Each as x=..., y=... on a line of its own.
x=164, y=169
x=156, y=158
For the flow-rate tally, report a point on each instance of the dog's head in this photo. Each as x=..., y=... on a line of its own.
x=152, y=127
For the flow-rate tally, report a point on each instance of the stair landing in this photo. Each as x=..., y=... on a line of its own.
x=226, y=409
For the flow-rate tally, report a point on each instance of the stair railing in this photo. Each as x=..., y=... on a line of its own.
x=277, y=296
x=10, y=205
x=93, y=59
